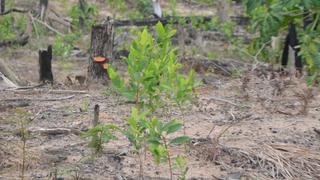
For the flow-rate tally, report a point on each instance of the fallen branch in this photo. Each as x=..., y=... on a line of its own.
x=225, y=68
x=5, y=82
x=47, y=91
x=14, y=10
x=20, y=40
x=38, y=99
x=12, y=105
x=28, y=87
x=225, y=101
x=55, y=131
x=48, y=26
x=173, y=20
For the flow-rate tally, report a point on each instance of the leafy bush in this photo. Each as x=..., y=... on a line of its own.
x=63, y=45
x=144, y=7
x=153, y=70
x=6, y=27
x=154, y=80
x=99, y=135
x=88, y=15
x=271, y=17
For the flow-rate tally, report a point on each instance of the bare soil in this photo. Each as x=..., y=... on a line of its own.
x=258, y=129
x=253, y=125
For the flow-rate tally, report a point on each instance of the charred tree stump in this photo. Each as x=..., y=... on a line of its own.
x=95, y=120
x=2, y=6
x=102, y=47
x=45, y=57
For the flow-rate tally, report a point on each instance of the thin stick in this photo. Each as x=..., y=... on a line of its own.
x=34, y=25
x=14, y=10
x=37, y=99
x=49, y=27
x=226, y=101
x=211, y=130
x=57, y=91
x=169, y=157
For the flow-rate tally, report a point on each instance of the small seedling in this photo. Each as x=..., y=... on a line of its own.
x=23, y=119
x=85, y=105
x=136, y=133
x=181, y=164
x=159, y=141
x=100, y=134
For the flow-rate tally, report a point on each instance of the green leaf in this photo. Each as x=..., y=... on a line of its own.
x=172, y=127
x=180, y=140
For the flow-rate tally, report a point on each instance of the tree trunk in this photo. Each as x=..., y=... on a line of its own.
x=82, y=6
x=43, y=8
x=45, y=57
x=101, y=46
x=223, y=7
x=2, y=6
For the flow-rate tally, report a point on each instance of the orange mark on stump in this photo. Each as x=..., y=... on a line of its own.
x=99, y=59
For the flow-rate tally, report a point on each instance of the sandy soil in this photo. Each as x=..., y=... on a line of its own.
x=257, y=132
x=250, y=126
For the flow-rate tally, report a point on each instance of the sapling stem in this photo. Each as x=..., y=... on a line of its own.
x=137, y=95
x=184, y=126
x=23, y=151
x=169, y=158
x=140, y=166
x=145, y=148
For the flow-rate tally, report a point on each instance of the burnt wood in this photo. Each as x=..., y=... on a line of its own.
x=45, y=58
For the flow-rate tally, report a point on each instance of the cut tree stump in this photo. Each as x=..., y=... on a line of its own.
x=45, y=70
x=101, y=46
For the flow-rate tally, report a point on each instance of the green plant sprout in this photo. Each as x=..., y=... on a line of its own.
x=271, y=19
x=153, y=79
x=22, y=117
x=147, y=63
x=100, y=134
x=89, y=15
x=159, y=141
x=181, y=164
x=136, y=134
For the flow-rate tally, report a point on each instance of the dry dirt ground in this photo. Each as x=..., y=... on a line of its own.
x=247, y=127
x=256, y=125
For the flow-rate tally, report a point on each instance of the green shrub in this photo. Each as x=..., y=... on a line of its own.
x=6, y=27
x=63, y=45
x=89, y=15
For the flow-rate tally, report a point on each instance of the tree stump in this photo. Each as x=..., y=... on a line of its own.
x=45, y=57
x=101, y=46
